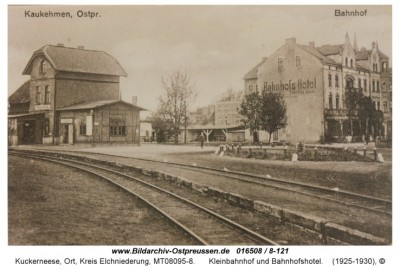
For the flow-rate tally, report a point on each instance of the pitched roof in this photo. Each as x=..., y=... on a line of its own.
x=97, y=104
x=327, y=50
x=252, y=74
x=78, y=60
x=363, y=54
x=21, y=95
x=382, y=55
x=317, y=54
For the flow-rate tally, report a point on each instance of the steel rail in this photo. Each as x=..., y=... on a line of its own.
x=251, y=234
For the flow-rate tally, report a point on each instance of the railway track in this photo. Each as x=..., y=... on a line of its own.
x=202, y=224
x=334, y=194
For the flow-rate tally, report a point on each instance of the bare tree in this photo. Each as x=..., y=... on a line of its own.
x=173, y=105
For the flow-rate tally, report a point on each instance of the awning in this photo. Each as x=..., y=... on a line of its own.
x=24, y=115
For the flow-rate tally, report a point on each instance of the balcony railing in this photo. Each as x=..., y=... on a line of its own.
x=336, y=112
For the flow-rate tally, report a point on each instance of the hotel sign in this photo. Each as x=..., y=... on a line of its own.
x=301, y=86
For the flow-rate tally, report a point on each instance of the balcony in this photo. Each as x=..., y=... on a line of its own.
x=336, y=112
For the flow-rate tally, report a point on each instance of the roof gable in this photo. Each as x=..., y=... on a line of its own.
x=252, y=74
x=78, y=60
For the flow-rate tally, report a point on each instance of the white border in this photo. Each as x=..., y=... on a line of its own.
x=7, y=253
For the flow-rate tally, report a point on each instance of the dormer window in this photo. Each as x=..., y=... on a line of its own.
x=42, y=68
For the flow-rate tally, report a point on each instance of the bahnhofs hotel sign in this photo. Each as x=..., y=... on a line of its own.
x=294, y=86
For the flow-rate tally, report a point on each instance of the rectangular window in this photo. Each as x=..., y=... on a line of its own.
x=379, y=106
x=377, y=86
x=373, y=85
x=385, y=107
x=117, y=127
x=329, y=80
x=46, y=95
x=280, y=64
x=336, y=81
x=298, y=61
x=38, y=95
x=46, y=127
x=365, y=85
x=275, y=135
x=82, y=128
x=359, y=83
x=250, y=87
x=337, y=101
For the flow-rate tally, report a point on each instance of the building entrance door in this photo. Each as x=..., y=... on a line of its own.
x=29, y=132
x=68, y=134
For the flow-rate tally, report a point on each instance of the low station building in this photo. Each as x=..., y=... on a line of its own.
x=73, y=95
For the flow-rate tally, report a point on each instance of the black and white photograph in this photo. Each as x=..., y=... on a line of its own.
x=152, y=129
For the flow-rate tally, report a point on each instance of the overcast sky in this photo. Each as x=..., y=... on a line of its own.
x=217, y=45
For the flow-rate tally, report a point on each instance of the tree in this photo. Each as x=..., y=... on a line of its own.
x=162, y=128
x=352, y=99
x=362, y=109
x=265, y=112
x=273, y=113
x=250, y=108
x=173, y=105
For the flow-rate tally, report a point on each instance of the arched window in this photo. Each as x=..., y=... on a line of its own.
x=384, y=66
x=351, y=63
x=349, y=83
x=330, y=101
x=346, y=62
x=337, y=100
x=42, y=68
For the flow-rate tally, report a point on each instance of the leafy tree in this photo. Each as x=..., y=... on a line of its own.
x=173, y=105
x=273, y=113
x=266, y=111
x=352, y=99
x=250, y=108
x=362, y=109
x=162, y=128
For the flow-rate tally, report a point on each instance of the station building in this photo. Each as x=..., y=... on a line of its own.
x=73, y=95
x=314, y=80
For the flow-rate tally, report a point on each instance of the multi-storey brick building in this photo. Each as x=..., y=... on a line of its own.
x=314, y=81
x=72, y=96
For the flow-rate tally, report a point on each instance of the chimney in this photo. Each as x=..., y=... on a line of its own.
x=60, y=44
x=81, y=47
x=291, y=42
x=311, y=44
x=134, y=100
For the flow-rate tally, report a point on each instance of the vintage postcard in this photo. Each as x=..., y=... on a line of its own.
x=200, y=135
